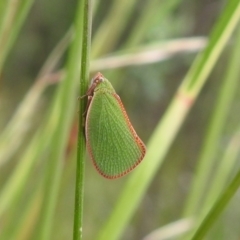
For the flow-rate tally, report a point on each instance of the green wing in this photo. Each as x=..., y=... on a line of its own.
x=112, y=143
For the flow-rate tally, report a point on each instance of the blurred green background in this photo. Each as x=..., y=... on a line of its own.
x=146, y=90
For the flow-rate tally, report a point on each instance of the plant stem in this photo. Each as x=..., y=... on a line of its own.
x=218, y=207
x=79, y=193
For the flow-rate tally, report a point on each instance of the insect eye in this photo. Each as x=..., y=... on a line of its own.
x=98, y=79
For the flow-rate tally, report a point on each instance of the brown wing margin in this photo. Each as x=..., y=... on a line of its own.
x=138, y=140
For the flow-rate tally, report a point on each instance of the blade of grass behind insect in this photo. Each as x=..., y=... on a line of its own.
x=228, y=161
x=211, y=142
x=219, y=182
x=153, y=8
x=57, y=53
x=15, y=13
x=170, y=231
x=67, y=102
x=217, y=208
x=226, y=23
x=225, y=165
x=14, y=132
x=95, y=5
x=25, y=217
x=15, y=185
x=112, y=26
x=3, y=6
x=170, y=124
x=148, y=54
x=223, y=173
x=19, y=177
x=28, y=222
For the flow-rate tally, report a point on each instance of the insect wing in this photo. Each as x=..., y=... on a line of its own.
x=112, y=143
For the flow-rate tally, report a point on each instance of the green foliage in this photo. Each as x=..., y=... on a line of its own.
x=38, y=147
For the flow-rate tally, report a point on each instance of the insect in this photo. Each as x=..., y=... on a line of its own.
x=112, y=143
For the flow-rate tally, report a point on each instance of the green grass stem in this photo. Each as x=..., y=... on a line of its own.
x=218, y=207
x=220, y=113
x=14, y=133
x=84, y=78
x=15, y=13
x=112, y=26
x=66, y=101
x=228, y=161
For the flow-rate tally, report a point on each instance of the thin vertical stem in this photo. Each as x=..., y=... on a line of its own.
x=79, y=193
